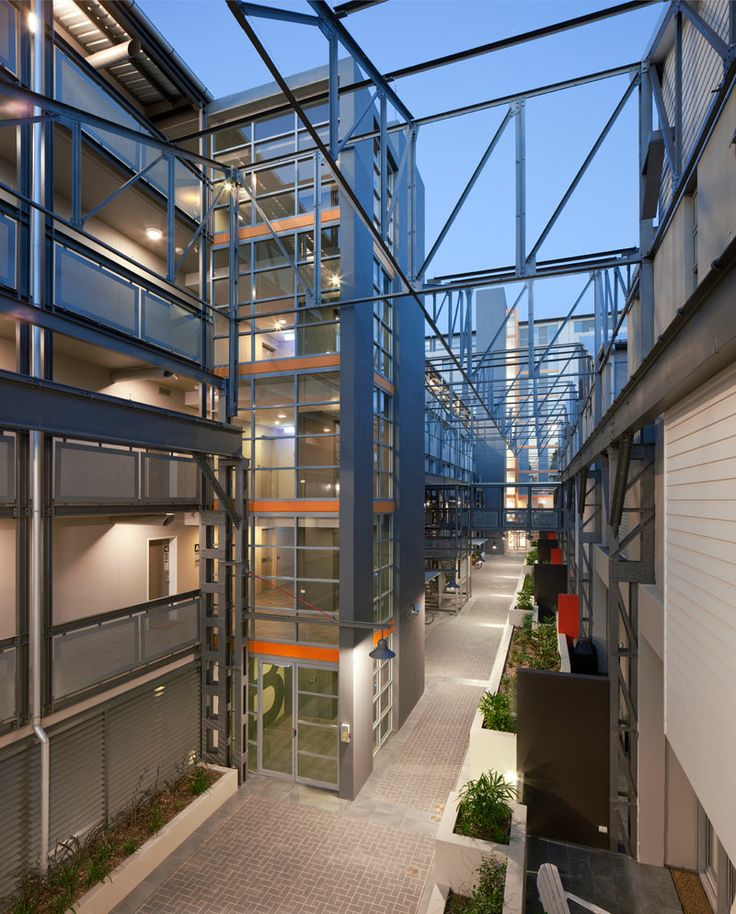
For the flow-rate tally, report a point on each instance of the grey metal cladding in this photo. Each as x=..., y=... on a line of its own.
x=19, y=814
x=149, y=738
x=99, y=763
x=77, y=779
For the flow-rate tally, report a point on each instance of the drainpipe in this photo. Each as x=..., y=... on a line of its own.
x=36, y=247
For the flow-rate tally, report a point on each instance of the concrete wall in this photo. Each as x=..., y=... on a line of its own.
x=99, y=566
x=651, y=757
x=717, y=191
x=681, y=811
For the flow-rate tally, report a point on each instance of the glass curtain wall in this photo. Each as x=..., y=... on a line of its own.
x=383, y=608
x=285, y=309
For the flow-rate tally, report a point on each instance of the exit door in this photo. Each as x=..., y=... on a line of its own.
x=297, y=722
x=159, y=568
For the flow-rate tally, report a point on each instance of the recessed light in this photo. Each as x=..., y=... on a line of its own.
x=282, y=415
x=179, y=250
x=154, y=234
x=325, y=430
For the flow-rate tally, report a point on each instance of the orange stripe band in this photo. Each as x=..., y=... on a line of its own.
x=383, y=383
x=280, y=225
x=294, y=505
x=295, y=651
x=272, y=366
x=383, y=507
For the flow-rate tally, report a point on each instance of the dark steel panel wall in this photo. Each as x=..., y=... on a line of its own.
x=562, y=751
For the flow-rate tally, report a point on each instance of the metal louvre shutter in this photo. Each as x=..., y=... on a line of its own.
x=99, y=763
x=77, y=779
x=151, y=737
x=19, y=815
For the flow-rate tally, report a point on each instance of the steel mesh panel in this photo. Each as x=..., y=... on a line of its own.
x=94, y=474
x=7, y=469
x=169, y=478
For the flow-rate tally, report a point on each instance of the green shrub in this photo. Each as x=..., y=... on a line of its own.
x=528, y=584
x=531, y=557
x=496, y=711
x=484, y=811
x=200, y=781
x=524, y=601
x=487, y=897
x=544, y=642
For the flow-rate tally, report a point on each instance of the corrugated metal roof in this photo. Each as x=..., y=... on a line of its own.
x=94, y=27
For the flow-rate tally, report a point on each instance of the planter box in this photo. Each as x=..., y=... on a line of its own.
x=490, y=750
x=437, y=900
x=457, y=858
x=124, y=878
x=516, y=616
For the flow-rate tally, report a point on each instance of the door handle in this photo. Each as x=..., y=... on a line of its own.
x=293, y=732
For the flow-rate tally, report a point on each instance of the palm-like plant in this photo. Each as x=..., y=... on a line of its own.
x=484, y=811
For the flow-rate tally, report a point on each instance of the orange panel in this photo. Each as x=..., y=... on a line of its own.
x=383, y=507
x=294, y=505
x=383, y=383
x=383, y=632
x=568, y=614
x=295, y=651
x=555, y=556
x=280, y=225
x=270, y=366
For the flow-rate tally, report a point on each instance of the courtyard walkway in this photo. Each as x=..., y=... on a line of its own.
x=276, y=848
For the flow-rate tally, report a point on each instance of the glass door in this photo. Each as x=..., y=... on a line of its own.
x=317, y=727
x=297, y=722
x=276, y=713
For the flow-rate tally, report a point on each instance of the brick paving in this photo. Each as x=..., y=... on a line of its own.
x=277, y=848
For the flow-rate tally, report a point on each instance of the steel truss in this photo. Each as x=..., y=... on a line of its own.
x=554, y=399
x=453, y=327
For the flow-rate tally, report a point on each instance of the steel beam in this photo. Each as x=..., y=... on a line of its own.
x=29, y=404
x=698, y=343
x=96, y=335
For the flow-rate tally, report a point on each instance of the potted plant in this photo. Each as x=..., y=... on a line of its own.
x=482, y=820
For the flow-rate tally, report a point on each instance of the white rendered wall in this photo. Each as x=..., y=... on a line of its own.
x=100, y=566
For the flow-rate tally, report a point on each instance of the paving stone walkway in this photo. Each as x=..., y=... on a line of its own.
x=276, y=848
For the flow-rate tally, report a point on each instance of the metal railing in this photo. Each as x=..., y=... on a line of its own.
x=88, y=653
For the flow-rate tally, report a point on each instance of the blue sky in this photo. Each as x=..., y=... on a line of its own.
x=560, y=127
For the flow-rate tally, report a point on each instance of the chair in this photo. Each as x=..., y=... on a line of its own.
x=554, y=898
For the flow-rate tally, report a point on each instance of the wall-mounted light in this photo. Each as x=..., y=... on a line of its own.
x=334, y=280
x=154, y=234
x=282, y=415
x=32, y=20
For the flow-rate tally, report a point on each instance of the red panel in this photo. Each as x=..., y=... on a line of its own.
x=568, y=614
x=555, y=556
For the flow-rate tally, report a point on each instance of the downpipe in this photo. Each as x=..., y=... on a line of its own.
x=35, y=628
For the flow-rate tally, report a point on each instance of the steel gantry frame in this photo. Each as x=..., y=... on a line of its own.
x=598, y=431
x=547, y=429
